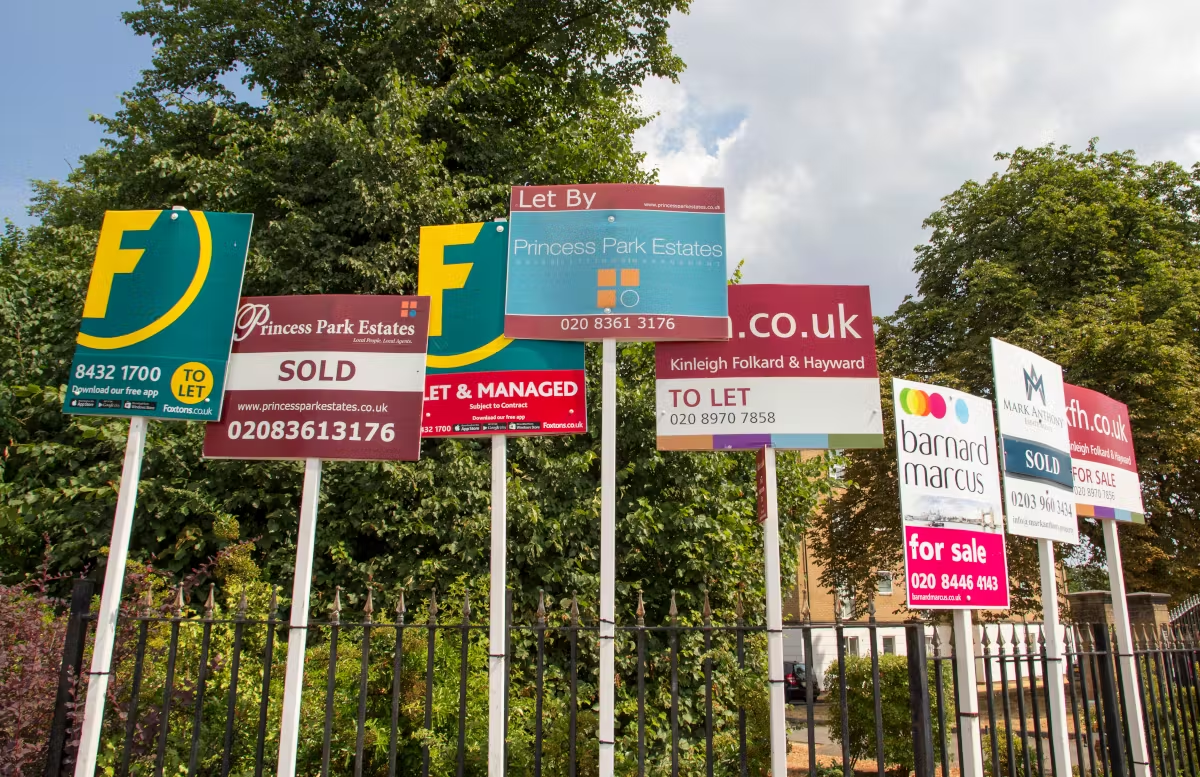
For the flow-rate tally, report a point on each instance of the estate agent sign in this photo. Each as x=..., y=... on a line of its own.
x=623, y=261
x=1038, y=487
x=337, y=376
x=799, y=372
x=954, y=556
x=1102, y=458
x=477, y=381
x=158, y=316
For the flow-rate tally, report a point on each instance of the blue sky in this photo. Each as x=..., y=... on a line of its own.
x=62, y=61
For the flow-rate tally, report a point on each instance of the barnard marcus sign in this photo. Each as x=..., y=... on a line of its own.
x=158, y=315
x=1102, y=459
x=950, y=499
x=799, y=372
x=1030, y=405
x=479, y=382
x=334, y=376
x=623, y=261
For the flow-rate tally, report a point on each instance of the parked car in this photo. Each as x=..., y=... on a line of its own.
x=795, y=678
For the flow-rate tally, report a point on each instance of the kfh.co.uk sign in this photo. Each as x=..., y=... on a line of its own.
x=950, y=499
x=789, y=342
x=1102, y=458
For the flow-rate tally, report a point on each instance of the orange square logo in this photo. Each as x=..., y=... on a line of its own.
x=606, y=298
x=606, y=277
x=630, y=277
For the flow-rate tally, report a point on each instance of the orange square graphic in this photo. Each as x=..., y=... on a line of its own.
x=630, y=277
x=606, y=298
x=606, y=277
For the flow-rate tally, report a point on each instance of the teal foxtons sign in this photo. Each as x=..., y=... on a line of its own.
x=159, y=313
x=478, y=381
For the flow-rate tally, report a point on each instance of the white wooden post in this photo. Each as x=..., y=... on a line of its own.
x=1060, y=743
x=968, y=711
x=608, y=550
x=293, y=684
x=1128, y=662
x=774, y=622
x=497, y=609
x=110, y=598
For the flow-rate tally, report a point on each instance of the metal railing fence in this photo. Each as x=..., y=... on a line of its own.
x=200, y=693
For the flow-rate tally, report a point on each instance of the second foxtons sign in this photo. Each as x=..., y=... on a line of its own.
x=480, y=382
x=622, y=261
x=324, y=377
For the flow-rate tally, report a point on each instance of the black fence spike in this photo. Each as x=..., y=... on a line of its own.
x=541, y=608
x=179, y=600
x=707, y=610
x=641, y=610
x=273, y=610
x=433, y=605
x=369, y=607
x=336, y=613
x=673, y=612
x=574, y=610
x=466, y=606
x=209, y=604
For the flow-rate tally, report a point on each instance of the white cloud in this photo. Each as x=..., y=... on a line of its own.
x=836, y=128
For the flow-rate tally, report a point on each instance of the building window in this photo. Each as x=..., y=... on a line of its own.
x=884, y=583
x=889, y=646
x=852, y=646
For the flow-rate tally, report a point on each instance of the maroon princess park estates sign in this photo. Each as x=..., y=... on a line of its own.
x=324, y=377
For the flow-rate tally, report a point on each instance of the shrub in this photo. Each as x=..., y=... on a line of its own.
x=1018, y=753
x=31, y=643
x=897, y=725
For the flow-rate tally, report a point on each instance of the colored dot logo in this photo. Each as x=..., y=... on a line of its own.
x=921, y=403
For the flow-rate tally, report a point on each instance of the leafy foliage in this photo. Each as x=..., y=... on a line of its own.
x=1004, y=740
x=894, y=698
x=1092, y=260
x=31, y=638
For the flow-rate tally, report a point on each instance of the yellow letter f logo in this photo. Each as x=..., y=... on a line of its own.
x=111, y=258
x=434, y=276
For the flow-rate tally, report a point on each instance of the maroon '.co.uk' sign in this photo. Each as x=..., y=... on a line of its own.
x=325, y=377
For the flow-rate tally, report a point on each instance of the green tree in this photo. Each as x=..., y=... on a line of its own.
x=1092, y=260
x=355, y=123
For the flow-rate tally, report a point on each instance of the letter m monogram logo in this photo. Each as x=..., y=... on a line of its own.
x=1034, y=383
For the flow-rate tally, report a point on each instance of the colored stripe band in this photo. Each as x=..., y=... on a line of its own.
x=1110, y=513
x=743, y=442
